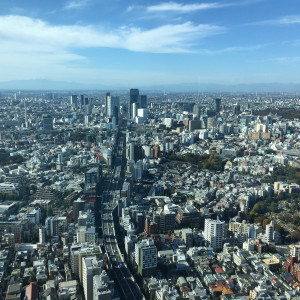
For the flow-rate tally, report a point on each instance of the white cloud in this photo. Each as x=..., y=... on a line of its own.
x=37, y=35
x=130, y=8
x=183, y=8
x=295, y=19
x=232, y=49
x=177, y=7
x=76, y=4
x=286, y=20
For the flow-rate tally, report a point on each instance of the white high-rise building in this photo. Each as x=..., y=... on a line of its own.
x=130, y=152
x=42, y=235
x=270, y=233
x=134, y=110
x=214, y=233
x=74, y=100
x=113, y=104
x=90, y=267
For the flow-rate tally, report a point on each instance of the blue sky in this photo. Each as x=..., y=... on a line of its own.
x=135, y=43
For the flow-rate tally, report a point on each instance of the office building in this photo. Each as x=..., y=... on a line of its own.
x=90, y=251
x=56, y=225
x=194, y=124
x=90, y=267
x=101, y=287
x=142, y=101
x=217, y=105
x=78, y=205
x=48, y=123
x=107, y=95
x=214, y=233
x=196, y=111
x=81, y=100
x=133, y=98
x=188, y=216
x=236, y=109
x=73, y=100
x=270, y=233
x=92, y=177
x=150, y=226
x=166, y=220
x=112, y=108
x=187, y=236
x=130, y=151
x=42, y=235
x=211, y=122
x=146, y=257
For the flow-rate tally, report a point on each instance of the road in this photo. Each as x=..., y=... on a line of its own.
x=129, y=288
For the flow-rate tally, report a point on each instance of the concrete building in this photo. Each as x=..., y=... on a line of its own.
x=187, y=236
x=101, y=287
x=42, y=235
x=166, y=220
x=270, y=233
x=48, y=123
x=90, y=267
x=146, y=257
x=214, y=233
x=56, y=225
x=73, y=100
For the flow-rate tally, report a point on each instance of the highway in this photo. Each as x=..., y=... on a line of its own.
x=128, y=286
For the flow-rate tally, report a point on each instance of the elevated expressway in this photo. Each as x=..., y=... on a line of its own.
x=123, y=277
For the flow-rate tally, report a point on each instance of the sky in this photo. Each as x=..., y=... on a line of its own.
x=134, y=42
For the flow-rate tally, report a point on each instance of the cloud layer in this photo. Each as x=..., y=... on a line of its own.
x=37, y=35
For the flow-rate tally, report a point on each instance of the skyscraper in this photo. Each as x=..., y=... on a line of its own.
x=217, y=105
x=133, y=98
x=81, y=100
x=112, y=108
x=106, y=100
x=142, y=101
x=73, y=100
x=26, y=120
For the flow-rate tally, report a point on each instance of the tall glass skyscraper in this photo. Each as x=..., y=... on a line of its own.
x=133, y=98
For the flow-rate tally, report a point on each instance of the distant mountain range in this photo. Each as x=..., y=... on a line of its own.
x=49, y=85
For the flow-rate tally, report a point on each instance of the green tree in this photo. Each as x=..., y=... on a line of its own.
x=152, y=296
x=265, y=222
x=49, y=211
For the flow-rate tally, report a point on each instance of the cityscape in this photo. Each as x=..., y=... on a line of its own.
x=150, y=150
x=135, y=195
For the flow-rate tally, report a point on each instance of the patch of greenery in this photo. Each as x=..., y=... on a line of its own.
x=203, y=161
x=284, y=173
x=286, y=113
x=6, y=159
